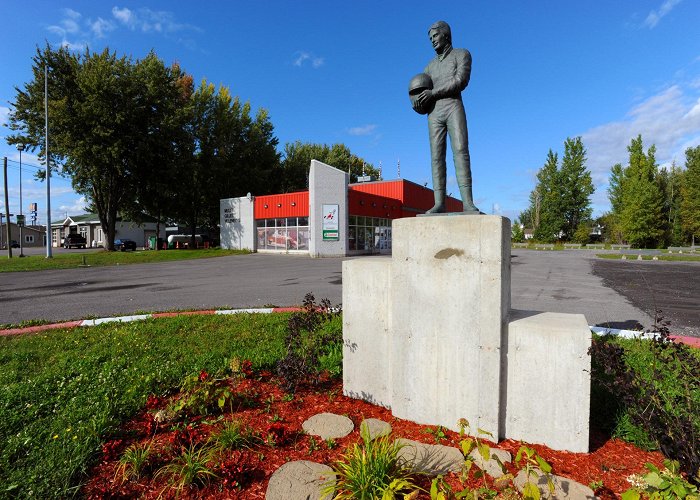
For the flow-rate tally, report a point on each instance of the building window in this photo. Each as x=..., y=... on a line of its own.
x=369, y=234
x=291, y=233
x=100, y=238
x=29, y=238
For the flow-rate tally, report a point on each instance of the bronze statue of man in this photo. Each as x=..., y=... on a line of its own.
x=450, y=71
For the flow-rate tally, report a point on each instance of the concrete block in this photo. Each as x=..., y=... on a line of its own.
x=366, y=333
x=548, y=383
x=450, y=285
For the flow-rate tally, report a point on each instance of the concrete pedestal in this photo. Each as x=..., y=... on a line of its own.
x=450, y=296
x=427, y=333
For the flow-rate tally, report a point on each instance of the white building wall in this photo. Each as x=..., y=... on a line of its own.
x=237, y=219
x=327, y=186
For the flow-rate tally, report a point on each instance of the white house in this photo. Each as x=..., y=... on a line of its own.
x=88, y=225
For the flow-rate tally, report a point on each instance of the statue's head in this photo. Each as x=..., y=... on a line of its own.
x=442, y=27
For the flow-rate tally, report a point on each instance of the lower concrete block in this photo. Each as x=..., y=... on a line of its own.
x=366, y=335
x=548, y=382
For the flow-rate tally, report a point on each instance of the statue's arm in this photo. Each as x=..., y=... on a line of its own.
x=458, y=81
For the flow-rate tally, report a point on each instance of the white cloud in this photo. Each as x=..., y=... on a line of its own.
x=125, y=16
x=77, y=207
x=100, y=27
x=670, y=120
x=363, y=130
x=150, y=21
x=76, y=31
x=4, y=116
x=655, y=15
x=302, y=57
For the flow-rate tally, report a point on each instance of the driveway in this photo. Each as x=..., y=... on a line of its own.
x=567, y=281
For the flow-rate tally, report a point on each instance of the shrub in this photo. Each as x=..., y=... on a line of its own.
x=311, y=335
x=654, y=389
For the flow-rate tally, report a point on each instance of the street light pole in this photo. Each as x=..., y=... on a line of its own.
x=20, y=148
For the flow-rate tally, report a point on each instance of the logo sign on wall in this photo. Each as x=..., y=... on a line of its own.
x=330, y=223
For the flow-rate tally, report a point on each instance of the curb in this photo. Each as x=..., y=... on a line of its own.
x=629, y=334
x=140, y=317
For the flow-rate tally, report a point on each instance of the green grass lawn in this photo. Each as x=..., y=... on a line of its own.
x=62, y=393
x=103, y=258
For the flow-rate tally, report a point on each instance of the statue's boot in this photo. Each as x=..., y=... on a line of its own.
x=439, y=202
x=467, y=201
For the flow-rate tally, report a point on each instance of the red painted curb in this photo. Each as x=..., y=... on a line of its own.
x=285, y=309
x=691, y=341
x=40, y=328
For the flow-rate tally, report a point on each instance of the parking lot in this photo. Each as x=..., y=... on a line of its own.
x=617, y=294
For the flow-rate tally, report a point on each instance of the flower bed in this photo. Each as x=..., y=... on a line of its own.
x=271, y=426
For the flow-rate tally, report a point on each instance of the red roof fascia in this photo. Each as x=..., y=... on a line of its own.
x=277, y=206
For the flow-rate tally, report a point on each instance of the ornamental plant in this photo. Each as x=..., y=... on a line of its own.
x=370, y=470
x=134, y=462
x=661, y=484
x=654, y=388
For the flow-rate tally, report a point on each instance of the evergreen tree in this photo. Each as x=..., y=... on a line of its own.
x=546, y=201
x=576, y=187
x=641, y=213
x=690, y=189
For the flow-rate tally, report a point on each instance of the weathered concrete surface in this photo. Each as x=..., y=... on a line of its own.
x=450, y=286
x=547, y=380
x=328, y=426
x=366, y=337
x=300, y=480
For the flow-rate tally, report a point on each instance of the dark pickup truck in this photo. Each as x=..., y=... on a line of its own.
x=74, y=240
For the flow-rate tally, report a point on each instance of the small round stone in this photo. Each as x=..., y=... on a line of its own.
x=328, y=426
x=299, y=480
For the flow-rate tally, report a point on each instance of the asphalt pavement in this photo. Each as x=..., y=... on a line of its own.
x=557, y=281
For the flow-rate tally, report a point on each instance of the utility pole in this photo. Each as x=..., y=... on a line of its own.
x=7, y=212
x=20, y=148
x=48, y=163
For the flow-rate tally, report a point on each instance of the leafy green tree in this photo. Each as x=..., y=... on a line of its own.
x=516, y=232
x=690, y=189
x=641, y=212
x=298, y=156
x=106, y=115
x=227, y=153
x=576, y=187
x=583, y=233
x=669, y=180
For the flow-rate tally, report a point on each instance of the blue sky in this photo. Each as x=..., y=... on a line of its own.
x=337, y=71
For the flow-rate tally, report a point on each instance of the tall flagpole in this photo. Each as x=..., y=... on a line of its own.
x=48, y=163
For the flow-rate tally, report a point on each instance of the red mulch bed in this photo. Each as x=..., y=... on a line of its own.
x=245, y=474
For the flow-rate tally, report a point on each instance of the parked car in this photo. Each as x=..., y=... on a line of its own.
x=74, y=240
x=124, y=244
x=14, y=244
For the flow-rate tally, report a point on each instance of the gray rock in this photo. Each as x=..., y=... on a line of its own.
x=300, y=480
x=375, y=427
x=491, y=466
x=328, y=426
x=563, y=487
x=432, y=459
